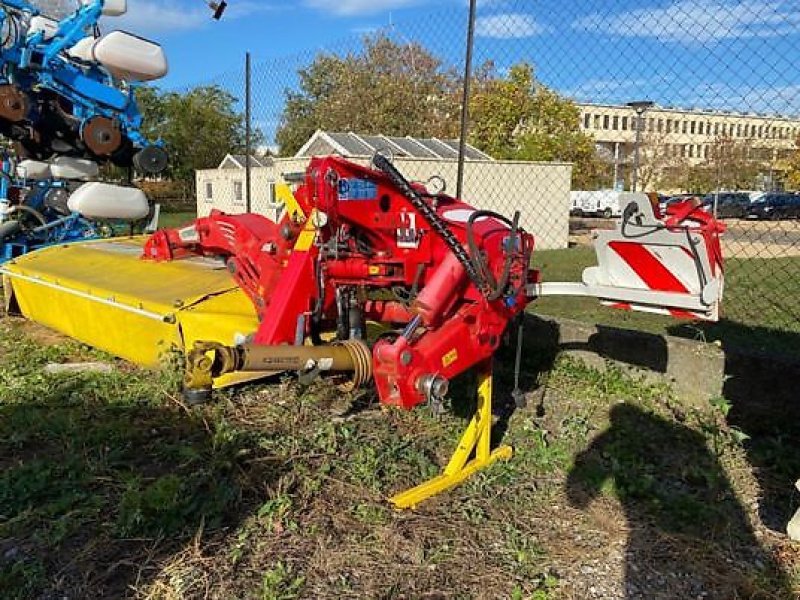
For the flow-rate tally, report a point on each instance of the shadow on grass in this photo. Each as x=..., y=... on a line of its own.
x=688, y=531
x=761, y=387
x=94, y=495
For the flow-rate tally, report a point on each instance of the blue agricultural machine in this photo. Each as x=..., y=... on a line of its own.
x=67, y=101
x=66, y=90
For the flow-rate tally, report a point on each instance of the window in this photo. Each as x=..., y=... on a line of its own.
x=685, y=127
x=587, y=118
x=209, y=191
x=738, y=131
x=605, y=121
x=716, y=128
x=651, y=125
x=615, y=123
x=238, y=196
x=707, y=152
x=597, y=121
x=624, y=123
x=669, y=125
x=694, y=127
x=661, y=126
x=700, y=127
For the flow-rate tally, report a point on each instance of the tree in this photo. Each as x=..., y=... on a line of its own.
x=518, y=118
x=387, y=88
x=661, y=164
x=198, y=127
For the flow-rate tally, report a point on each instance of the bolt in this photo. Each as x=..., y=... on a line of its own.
x=405, y=358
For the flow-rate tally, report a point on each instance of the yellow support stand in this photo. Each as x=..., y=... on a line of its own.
x=475, y=443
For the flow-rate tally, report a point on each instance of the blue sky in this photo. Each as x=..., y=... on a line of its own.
x=720, y=54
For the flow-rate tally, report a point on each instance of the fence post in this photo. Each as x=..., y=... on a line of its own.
x=462, y=143
x=248, y=134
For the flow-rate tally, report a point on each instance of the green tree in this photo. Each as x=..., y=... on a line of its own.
x=387, y=88
x=198, y=127
x=516, y=117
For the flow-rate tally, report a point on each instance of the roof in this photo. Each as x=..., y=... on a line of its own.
x=353, y=144
x=237, y=161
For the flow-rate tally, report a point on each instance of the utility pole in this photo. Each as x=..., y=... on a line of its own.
x=640, y=107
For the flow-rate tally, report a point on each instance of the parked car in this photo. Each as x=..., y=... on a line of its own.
x=730, y=205
x=775, y=206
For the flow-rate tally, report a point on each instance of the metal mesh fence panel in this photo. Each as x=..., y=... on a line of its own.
x=565, y=95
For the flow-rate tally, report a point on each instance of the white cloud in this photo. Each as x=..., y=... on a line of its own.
x=360, y=7
x=508, y=26
x=148, y=17
x=701, y=21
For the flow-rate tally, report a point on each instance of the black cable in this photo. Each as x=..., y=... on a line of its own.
x=429, y=214
x=497, y=288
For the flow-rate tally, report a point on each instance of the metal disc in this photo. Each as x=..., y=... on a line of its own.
x=102, y=135
x=151, y=160
x=13, y=103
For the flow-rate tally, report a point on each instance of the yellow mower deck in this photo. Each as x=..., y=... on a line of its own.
x=102, y=294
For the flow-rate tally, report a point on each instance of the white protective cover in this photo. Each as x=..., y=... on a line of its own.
x=112, y=8
x=66, y=167
x=97, y=200
x=131, y=58
x=84, y=49
x=46, y=24
x=34, y=169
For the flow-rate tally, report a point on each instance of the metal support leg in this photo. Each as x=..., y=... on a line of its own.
x=475, y=443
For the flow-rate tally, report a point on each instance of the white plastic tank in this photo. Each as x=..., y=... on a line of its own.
x=67, y=167
x=84, y=49
x=130, y=57
x=33, y=169
x=111, y=8
x=44, y=24
x=97, y=200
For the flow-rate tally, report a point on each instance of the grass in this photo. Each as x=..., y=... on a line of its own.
x=175, y=219
x=110, y=487
x=758, y=307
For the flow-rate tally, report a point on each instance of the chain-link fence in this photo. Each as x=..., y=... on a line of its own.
x=571, y=103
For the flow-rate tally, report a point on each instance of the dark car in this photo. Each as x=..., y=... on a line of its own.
x=730, y=205
x=775, y=206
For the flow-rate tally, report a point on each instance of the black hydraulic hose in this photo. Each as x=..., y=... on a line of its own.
x=430, y=215
x=497, y=288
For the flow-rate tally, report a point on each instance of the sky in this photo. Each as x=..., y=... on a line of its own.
x=739, y=55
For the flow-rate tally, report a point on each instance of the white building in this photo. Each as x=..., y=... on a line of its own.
x=690, y=135
x=539, y=190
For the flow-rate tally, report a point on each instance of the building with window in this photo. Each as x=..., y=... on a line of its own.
x=539, y=190
x=693, y=136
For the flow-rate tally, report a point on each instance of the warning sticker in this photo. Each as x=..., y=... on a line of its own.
x=449, y=358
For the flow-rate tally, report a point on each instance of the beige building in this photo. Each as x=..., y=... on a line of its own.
x=691, y=135
x=539, y=190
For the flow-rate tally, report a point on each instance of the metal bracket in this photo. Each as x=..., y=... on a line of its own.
x=475, y=443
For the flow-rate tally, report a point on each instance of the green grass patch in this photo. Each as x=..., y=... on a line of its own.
x=168, y=220
x=110, y=488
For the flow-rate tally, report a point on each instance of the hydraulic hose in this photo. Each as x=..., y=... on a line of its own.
x=496, y=287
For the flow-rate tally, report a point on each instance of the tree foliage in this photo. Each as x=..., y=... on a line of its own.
x=387, y=88
x=516, y=117
x=403, y=89
x=199, y=127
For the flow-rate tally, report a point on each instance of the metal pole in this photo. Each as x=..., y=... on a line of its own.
x=248, y=133
x=639, y=122
x=462, y=145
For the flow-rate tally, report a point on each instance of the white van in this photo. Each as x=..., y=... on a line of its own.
x=602, y=203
